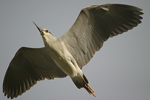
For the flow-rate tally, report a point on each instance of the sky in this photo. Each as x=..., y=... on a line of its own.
x=119, y=71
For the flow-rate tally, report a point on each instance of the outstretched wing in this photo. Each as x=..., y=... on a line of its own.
x=94, y=25
x=28, y=66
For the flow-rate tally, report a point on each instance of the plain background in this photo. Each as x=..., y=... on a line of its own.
x=119, y=71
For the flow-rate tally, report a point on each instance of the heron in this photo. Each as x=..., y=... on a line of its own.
x=66, y=55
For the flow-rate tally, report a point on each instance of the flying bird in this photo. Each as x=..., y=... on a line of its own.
x=66, y=55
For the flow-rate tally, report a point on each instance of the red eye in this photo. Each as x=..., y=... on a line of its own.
x=47, y=31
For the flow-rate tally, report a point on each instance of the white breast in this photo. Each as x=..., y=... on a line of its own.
x=63, y=59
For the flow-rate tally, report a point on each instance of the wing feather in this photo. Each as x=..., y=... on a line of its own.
x=28, y=66
x=95, y=24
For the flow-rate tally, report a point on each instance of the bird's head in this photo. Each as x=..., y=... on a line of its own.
x=42, y=31
x=46, y=35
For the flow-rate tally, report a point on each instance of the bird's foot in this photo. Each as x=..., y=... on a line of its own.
x=89, y=89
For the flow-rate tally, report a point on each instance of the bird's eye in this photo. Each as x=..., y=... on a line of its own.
x=46, y=31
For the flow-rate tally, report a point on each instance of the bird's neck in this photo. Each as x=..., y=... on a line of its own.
x=48, y=39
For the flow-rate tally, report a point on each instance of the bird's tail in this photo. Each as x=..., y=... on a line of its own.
x=82, y=82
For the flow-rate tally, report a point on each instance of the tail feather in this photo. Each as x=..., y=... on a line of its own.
x=82, y=82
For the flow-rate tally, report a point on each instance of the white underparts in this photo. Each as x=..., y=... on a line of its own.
x=62, y=57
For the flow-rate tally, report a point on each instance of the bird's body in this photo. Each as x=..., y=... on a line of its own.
x=60, y=54
x=63, y=59
x=65, y=56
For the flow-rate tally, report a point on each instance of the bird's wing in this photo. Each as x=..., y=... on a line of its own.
x=28, y=66
x=94, y=25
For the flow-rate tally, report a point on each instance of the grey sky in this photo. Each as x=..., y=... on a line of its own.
x=119, y=71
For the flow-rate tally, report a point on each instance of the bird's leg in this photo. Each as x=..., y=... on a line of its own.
x=82, y=82
x=89, y=89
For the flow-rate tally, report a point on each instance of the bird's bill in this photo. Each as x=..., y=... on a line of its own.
x=39, y=28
